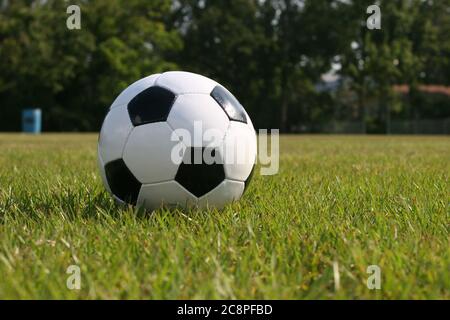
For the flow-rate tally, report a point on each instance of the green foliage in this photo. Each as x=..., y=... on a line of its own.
x=271, y=54
x=268, y=53
x=405, y=50
x=75, y=74
x=375, y=200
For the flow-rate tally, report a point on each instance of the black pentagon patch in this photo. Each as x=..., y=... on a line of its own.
x=199, y=178
x=229, y=104
x=151, y=105
x=122, y=182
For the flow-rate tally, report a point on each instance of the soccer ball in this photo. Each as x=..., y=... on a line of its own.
x=176, y=139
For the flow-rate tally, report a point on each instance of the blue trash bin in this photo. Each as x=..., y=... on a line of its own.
x=31, y=120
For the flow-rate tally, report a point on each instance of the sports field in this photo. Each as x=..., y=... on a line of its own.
x=338, y=205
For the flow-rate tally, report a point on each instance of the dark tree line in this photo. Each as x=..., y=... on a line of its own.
x=272, y=54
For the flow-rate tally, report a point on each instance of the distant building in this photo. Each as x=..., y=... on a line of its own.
x=426, y=88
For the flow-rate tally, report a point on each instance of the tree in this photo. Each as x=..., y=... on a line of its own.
x=224, y=40
x=401, y=52
x=74, y=75
x=270, y=53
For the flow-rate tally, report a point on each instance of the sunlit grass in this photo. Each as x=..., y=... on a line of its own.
x=344, y=200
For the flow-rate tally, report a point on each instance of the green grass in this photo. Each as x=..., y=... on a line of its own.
x=347, y=201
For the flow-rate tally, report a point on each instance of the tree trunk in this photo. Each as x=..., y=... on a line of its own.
x=387, y=109
x=284, y=114
x=362, y=110
x=388, y=118
x=284, y=102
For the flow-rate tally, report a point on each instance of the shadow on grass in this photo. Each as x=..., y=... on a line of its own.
x=86, y=201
